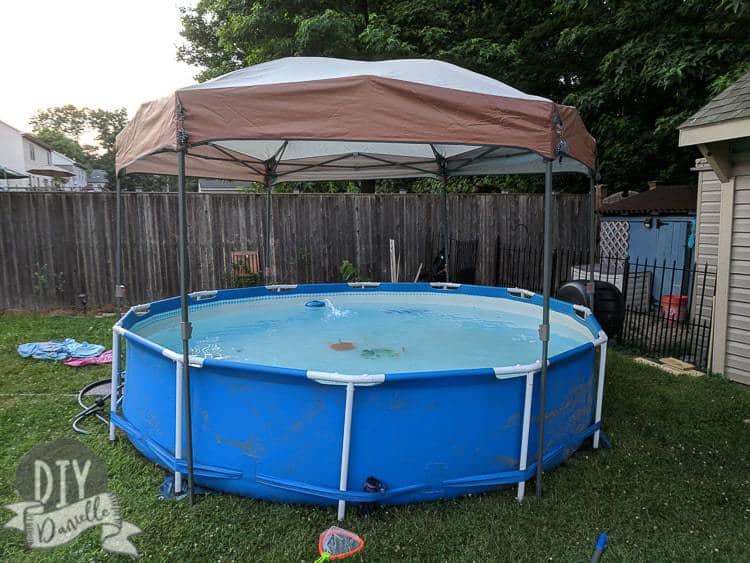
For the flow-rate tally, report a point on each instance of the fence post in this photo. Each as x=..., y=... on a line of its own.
x=625, y=278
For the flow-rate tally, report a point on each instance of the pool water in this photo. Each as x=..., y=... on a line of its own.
x=376, y=333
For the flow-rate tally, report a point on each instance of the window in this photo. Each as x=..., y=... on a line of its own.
x=31, y=152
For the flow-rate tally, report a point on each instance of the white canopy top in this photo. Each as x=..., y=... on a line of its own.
x=312, y=118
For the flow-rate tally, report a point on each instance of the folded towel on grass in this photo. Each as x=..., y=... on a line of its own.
x=103, y=358
x=54, y=350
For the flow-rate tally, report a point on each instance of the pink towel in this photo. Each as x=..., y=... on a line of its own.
x=103, y=358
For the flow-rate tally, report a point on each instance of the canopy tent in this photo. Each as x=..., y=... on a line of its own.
x=308, y=119
x=326, y=119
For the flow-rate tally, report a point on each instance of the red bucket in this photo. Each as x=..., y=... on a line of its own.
x=675, y=307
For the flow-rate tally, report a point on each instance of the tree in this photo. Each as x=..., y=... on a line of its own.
x=61, y=126
x=65, y=145
x=649, y=66
x=69, y=120
x=635, y=69
x=107, y=124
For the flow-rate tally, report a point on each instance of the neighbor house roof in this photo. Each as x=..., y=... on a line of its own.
x=661, y=199
x=36, y=141
x=232, y=185
x=97, y=176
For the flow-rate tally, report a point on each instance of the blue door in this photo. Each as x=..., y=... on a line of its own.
x=664, y=244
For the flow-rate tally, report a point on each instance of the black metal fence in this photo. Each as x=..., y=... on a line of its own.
x=667, y=304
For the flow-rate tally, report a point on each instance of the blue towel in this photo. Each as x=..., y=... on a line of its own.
x=68, y=348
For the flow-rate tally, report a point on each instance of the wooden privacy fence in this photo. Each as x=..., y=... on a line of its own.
x=56, y=246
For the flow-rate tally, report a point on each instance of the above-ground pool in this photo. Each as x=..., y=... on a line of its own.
x=446, y=379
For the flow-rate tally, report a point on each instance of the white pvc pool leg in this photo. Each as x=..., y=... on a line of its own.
x=600, y=390
x=344, y=477
x=113, y=398
x=178, y=425
x=525, y=431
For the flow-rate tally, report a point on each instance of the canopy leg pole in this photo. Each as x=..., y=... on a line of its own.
x=591, y=288
x=114, y=396
x=118, y=247
x=185, y=326
x=446, y=227
x=544, y=327
x=267, y=234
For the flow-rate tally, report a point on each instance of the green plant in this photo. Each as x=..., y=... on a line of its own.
x=350, y=272
x=59, y=279
x=40, y=276
x=236, y=278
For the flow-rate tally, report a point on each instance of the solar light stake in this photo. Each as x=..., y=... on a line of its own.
x=446, y=226
x=267, y=238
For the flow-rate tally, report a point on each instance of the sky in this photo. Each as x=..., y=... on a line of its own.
x=93, y=53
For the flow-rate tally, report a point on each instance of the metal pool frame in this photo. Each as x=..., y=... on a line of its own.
x=351, y=382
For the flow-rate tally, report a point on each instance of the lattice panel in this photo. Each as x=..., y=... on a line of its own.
x=615, y=238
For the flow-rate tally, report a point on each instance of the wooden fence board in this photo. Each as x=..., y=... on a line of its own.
x=55, y=246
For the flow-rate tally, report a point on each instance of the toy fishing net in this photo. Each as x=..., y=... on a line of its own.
x=337, y=543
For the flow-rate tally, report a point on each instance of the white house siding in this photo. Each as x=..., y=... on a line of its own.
x=738, y=307
x=706, y=240
x=36, y=155
x=11, y=154
x=74, y=182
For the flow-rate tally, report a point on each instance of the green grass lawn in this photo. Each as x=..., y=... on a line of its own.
x=676, y=485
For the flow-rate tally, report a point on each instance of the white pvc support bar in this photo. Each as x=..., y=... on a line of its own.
x=520, y=292
x=203, y=295
x=524, y=457
x=445, y=285
x=141, y=309
x=509, y=372
x=344, y=379
x=601, y=339
x=178, y=400
x=585, y=311
x=114, y=396
x=344, y=475
x=600, y=391
x=363, y=285
x=282, y=287
x=194, y=361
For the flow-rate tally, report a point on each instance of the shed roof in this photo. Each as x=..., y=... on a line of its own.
x=732, y=103
x=671, y=200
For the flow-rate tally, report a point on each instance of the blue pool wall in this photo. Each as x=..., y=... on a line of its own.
x=273, y=433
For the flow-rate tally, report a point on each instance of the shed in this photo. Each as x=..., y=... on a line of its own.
x=721, y=131
x=654, y=226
